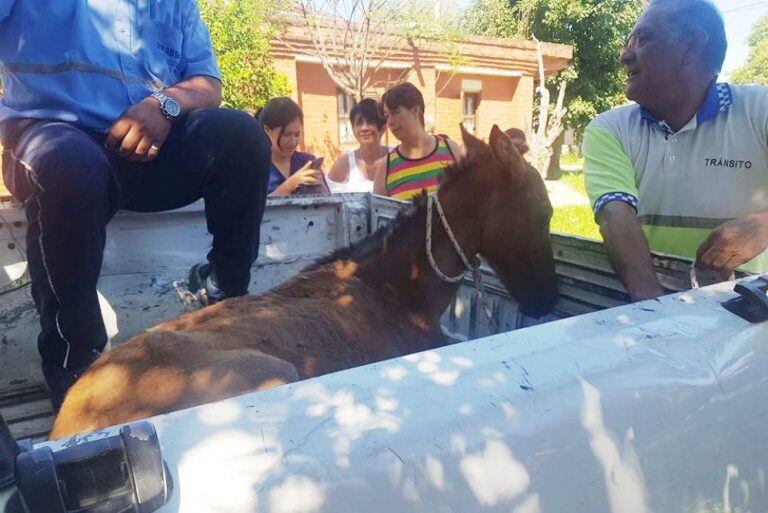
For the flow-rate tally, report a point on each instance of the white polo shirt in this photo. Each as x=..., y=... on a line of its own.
x=683, y=184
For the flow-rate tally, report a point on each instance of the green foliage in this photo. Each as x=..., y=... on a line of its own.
x=595, y=28
x=241, y=31
x=755, y=71
x=493, y=18
x=417, y=20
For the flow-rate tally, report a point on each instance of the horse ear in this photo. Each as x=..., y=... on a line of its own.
x=472, y=144
x=504, y=149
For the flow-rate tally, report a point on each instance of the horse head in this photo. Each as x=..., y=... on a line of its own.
x=511, y=218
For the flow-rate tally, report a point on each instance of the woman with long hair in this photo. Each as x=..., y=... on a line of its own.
x=290, y=171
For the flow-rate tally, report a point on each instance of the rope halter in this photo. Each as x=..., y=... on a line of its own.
x=473, y=267
x=468, y=267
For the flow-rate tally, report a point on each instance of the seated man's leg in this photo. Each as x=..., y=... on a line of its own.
x=223, y=156
x=68, y=189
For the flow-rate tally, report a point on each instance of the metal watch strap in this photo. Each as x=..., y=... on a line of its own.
x=162, y=98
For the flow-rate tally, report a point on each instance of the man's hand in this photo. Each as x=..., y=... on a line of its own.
x=734, y=243
x=140, y=132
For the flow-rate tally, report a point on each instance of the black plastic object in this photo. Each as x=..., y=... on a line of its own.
x=9, y=449
x=123, y=473
x=752, y=303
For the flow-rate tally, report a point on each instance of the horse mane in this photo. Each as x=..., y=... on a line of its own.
x=375, y=243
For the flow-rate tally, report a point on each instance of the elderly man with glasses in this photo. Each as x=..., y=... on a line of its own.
x=112, y=104
x=683, y=171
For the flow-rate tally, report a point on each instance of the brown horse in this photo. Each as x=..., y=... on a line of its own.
x=379, y=299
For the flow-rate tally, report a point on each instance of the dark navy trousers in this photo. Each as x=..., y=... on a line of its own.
x=71, y=186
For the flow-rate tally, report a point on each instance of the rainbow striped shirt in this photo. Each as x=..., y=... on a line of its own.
x=406, y=178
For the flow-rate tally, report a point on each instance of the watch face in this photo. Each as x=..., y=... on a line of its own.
x=172, y=108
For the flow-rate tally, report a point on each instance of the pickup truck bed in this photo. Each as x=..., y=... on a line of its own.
x=146, y=253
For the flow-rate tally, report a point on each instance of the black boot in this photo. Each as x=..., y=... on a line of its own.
x=202, y=284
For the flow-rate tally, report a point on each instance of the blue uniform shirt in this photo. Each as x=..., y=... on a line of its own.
x=87, y=61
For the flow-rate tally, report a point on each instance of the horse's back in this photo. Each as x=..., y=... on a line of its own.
x=302, y=329
x=320, y=325
x=160, y=372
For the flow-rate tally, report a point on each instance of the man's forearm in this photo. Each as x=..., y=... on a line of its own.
x=628, y=251
x=196, y=93
x=139, y=133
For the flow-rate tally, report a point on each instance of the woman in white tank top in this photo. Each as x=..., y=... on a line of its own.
x=353, y=170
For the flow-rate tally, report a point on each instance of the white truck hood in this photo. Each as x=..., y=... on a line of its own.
x=658, y=406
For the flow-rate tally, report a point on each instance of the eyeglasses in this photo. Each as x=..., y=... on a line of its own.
x=639, y=38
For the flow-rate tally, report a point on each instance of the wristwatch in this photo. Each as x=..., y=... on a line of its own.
x=168, y=106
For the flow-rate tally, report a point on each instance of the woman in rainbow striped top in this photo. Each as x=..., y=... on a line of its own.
x=418, y=161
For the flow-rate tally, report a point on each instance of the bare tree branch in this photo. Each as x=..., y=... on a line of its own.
x=355, y=39
x=550, y=119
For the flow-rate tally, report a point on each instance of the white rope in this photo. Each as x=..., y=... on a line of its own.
x=474, y=268
x=433, y=200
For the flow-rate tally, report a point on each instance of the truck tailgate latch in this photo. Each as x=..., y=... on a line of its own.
x=122, y=473
x=752, y=303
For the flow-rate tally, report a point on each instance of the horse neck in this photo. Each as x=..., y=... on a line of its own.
x=403, y=270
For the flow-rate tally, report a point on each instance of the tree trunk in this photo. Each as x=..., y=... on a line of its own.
x=554, y=171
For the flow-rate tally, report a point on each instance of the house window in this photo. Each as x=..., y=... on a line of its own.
x=345, y=103
x=470, y=104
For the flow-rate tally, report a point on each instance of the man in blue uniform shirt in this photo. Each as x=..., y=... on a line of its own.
x=112, y=104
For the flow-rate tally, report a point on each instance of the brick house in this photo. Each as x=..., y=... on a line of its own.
x=495, y=86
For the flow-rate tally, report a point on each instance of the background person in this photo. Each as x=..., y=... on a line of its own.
x=521, y=144
x=684, y=171
x=418, y=161
x=290, y=171
x=354, y=170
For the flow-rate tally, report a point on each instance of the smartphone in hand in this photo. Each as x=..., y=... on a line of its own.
x=320, y=188
x=317, y=163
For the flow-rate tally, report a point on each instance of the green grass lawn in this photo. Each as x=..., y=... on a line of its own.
x=571, y=160
x=575, y=220
x=575, y=181
x=578, y=219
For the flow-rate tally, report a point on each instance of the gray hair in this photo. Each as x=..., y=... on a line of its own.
x=688, y=15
